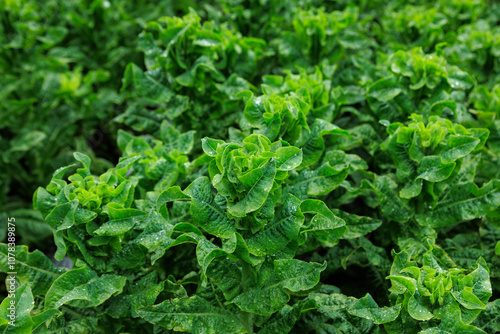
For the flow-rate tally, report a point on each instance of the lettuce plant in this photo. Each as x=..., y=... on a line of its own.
x=281, y=166
x=61, y=67
x=192, y=69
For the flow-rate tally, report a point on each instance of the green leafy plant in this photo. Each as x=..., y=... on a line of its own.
x=61, y=67
x=193, y=71
x=285, y=167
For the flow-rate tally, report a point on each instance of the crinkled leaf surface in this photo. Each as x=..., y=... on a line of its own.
x=194, y=315
x=82, y=287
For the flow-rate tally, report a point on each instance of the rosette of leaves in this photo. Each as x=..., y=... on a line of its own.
x=287, y=114
x=294, y=116
x=320, y=37
x=98, y=219
x=163, y=159
x=476, y=48
x=417, y=70
x=436, y=164
x=276, y=115
x=250, y=175
x=193, y=72
x=113, y=240
x=247, y=265
x=315, y=83
x=429, y=293
x=90, y=215
x=419, y=81
x=429, y=298
x=412, y=26
x=343, y=50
